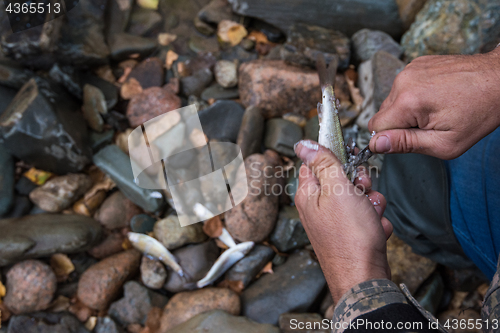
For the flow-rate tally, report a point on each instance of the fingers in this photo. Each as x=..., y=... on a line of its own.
x=378, y=201
x=403, y=141
x=363, y=180
x=308, y=189
x=387, y=226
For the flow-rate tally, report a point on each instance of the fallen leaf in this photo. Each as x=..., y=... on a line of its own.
x=130, y=88
x=62, y=266
x=148, y=4
x=90, y=323
x=236, y=286
x=3, y=291
x=105, y=184
x=258, y=37
x=37, y=176
x=165, y=38
x=126, y=245
x=231, y=32
x=170, y=58
x=213, y=227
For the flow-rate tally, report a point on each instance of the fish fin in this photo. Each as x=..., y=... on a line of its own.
x=326, y=74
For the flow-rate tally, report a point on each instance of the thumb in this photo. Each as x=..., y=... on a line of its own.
x=403, y=141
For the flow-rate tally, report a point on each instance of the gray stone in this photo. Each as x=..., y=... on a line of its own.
x=293, y=287
x=226, y=73
x=312, y=129
x=107, y=325
x=347, y=16
x=109, y=90
x=366, y=43
x=6, y=96
x=45, y=322
x=143, y=21
x=385, y=69
x=203, y=27
x=247, y=268
x=142, y=223
x=306, y=42
x=196, y=261
x=217, y=92
x=117, y=18
x=219, y=321
x=67, y=77
x=6, y=180
x=116, y=164
x=196, y=83
x=153, y=273
x=281, y=135
x=123, y=45
x=289, y=234
x=172, y=235
x=134, y=307
x=24, y=186
x=199, y=44
x=292, y=183
x=100, y=140
x=94, y=106
x=222, y=120
x=13, y=75
x=238, y=53
x=42, y=235
x=216, y=11
x=41, y=126
x=251, y=132
x=20, y=207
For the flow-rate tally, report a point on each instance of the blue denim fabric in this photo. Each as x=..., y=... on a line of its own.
x=474, y=180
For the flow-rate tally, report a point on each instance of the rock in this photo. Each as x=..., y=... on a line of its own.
x=306, y=42
x=111, y=244
x=216, y=92
x=21, y=206
x=255, y=218
x=408, y=10
x=347, y=16
x=292, y=183
x=101, y=283
x=289, y=233
x=222, y=120
x=458, y=27
x=13, y=75
x=366, y=43
x=143, y=21
x=251, y=132
x=238, y=53
x=60, y=192
x=149, y=73
x=134, y=307
x=282, y=135
x=406, y=266
x=184, y=306
x=278, y=88
x=109, y=90
x=68, y=77
x=142, y=223
x=151, y=103
x=216, y=11
x=196, y=261
x=24, y=186
x=6, y=180
x=170, y=233
x=311, y=131
x=203, y=27
x=247, y=268
x=116, y=211
x=431, y=293
x=60, y=147
x=123, y=45
x=197, y=82
x=94, y=105
x=457, y=316
x=31, y=284
x=226, y=73
x=230, y=33
x=153, y=273
x=6, y=96
x=100, y=140
x=107, y=325
x=46, y=322
x=306, y=320
x=36, y=236
x=294, y=286
x=116, y=164
x=199, y=44
x=219, y=321
x=117, y=18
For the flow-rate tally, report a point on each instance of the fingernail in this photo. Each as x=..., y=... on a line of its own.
x=383, y=144
x=306, y=150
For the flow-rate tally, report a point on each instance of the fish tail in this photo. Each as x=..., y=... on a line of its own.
x=326, y=74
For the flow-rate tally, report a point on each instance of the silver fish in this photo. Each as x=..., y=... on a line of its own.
x=151, y=247
x=224, y=262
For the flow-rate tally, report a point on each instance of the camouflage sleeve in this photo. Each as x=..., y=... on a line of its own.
x=371, y=296
x=491, y=304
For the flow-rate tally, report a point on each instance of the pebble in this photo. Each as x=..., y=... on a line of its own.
x=366, y=43
x=203, y=27
x=408, y=10
x=110, y=245
x=142, y=223
x=13, y=75
x=278, y=88
x=185, y=305
x=282, y=135
x=21, y=206
x=94, y=105
x=6, y=181
x=294, y=286
x=68, y=77
x=46, y=322
x=151, y=103
x=170, y=233
x=196, y=261
x=230, y=33
x=251, y=132
x=199, y=44
x=197, y=82
x=123, y=45
x=144, y=21
x=226, y=73
x=222, y=120
x=101, y=283
x=149, y=73
x=42, y=235
x=255, y=218
x=108, y=89
x=219, y=321
x=134, y=307
x=107, y=325
x=289, y=233
x=306, y=320
x=216, y=11
x=100, y=140
x=153, y=273
x=116, y=211
x=60, y=192
x=31, y=285
x=247, y=268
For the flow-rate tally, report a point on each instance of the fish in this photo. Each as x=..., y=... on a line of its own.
x=152, y=247
x=224, y=262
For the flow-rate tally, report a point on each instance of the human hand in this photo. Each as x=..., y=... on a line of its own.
x=343, y=221
x=440, y=106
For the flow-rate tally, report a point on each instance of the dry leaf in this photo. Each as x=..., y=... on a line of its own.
x=171, y=57
x=105, y=184
x=258, y=37
x=62, y=266
x=37, y=176
x=355, y=93
x=165, y=38
x=90, y=323
x=213, y=227
x=231, y=32
x=130, y=88
x=268, y=269
x=3, y=291
x=61, y=303
x=148, y=4
x=236, y=286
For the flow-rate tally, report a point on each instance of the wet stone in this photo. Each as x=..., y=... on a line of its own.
x=21, y=206
x=94, y=106
x=111, y=244
x=197, y=82
x=142, y=223
x=100, y=140
x=203, y=27
x=117, y=18
x=367, y=42
x=13, y=75
x=294, y=286
x=226, y=73
x=134, y=307
x=305, y=43
x=152, y=102
x=247, y=268
x=60, y=148
x=222, y=120
x=68, y=77
x=35, y=236
x=116, y=164
x=216, y=11
x=149, y=73
x=281, y=136
x=199, y=44
x=109, y=90
x=6, y=180
x=123, y=45
x=6, y=96
x=289, y=233
x=153, y=273
x=172, y=235
x=217, y=92
x=251, y=132
x=107, y=325
x=143, y=21
x=306, y=320
x=116, y=211
x=45, y=322
x=238, y=53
